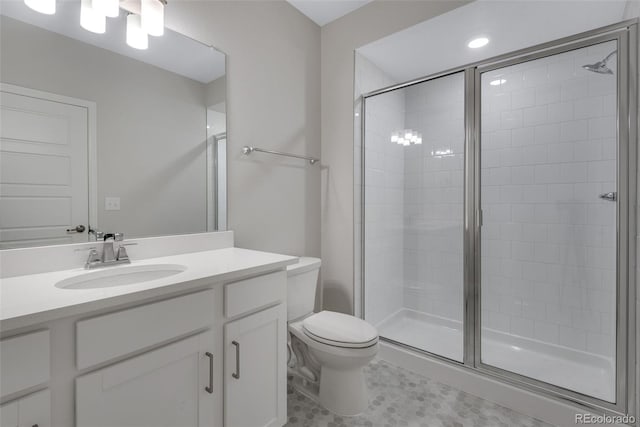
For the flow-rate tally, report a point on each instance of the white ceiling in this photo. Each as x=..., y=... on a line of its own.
x=324, y=11
x=440, y=43
x=172, y=52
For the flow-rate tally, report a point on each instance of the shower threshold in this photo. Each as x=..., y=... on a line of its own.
x=580, y=371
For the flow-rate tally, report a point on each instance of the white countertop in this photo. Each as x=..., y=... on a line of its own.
x=31, y=299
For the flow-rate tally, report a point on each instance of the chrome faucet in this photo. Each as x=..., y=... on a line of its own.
x=107, y=248
x=109, y=256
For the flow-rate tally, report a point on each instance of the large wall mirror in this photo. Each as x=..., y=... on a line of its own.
x=97, y=135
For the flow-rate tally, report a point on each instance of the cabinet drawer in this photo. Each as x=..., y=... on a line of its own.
x=24, y=362
x=31, y=410
x=117, y=334
x=250, y=294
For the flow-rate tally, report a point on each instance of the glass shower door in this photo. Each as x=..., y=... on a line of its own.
x=413, y=214
x=548, y=191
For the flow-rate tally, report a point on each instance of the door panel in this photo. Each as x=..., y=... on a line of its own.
x=43, y=171
x=255, y=370
x=413, y=214
x=548, y=239
x=163, y=387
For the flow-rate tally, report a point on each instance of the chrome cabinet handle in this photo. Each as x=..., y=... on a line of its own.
x=77, y=229
x=209, y=389
x=236, y=374
x=610, y=197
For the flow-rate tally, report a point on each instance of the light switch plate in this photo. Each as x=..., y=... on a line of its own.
x=112, y=203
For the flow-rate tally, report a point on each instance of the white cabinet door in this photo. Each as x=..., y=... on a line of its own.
x=167, y=387
x=255, y=358
x=29, y=411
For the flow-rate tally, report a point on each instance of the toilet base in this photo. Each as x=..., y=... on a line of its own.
x=331, y=376
x=343, y=392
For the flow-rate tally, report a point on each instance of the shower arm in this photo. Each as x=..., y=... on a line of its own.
x=609, y=56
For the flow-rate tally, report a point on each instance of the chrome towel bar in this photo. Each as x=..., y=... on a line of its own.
x=246, y=150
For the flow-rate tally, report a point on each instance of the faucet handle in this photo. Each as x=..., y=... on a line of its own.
x=122, y=254
x=118, y=237
x=93, y=258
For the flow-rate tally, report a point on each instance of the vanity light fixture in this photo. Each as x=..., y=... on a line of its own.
x=406, y=137
x=497, y=82
x=94, y=14
x=48, y=7
x=478, y=42
x=152, y=13
x=109, y=8
x=91, y=19
x=137, y=38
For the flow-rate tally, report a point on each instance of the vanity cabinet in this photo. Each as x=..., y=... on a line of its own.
x=171, y=386
x=24, y=362
x=173, y=382
x=33, y=410
x=211, y=355
x=255, y=369
x=25, y=365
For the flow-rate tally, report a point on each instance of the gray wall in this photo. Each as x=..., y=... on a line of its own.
x=339, y=40
x=151, y=127
x=273, y=102
x=216, y=92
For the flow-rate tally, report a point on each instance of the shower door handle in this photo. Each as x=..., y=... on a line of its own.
x=610, y=197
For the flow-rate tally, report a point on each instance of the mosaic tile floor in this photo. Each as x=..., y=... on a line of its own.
x=401, y=398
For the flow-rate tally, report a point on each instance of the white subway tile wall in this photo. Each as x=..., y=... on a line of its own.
x=548, y=150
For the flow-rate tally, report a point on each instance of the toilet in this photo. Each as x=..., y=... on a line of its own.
x=327, y=350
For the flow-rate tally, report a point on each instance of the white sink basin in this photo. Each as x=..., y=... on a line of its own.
x=120, y=276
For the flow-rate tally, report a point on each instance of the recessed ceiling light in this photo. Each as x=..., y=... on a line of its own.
x=478, y=42
x=497, y=82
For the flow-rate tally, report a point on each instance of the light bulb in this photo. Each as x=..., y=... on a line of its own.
x=136, y=37
x=91, y=19
x=407, y=134
x=394, y=137
x=152, y=13
x=478, y=42
x=109, y=8
x=48, y=7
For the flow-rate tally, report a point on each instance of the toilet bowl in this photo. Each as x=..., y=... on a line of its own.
x=327, y=350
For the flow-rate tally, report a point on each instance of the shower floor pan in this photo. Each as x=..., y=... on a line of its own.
x=586, y=373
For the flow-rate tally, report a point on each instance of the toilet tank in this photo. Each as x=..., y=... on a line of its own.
x=302, y=279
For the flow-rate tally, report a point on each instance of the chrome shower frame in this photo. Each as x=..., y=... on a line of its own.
x=625, y=34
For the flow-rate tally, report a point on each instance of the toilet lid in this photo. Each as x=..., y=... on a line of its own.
x=341, y=330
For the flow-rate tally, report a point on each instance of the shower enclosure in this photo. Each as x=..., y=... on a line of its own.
x=496, y=216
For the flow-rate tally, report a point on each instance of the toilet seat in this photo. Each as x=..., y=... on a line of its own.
x=339, y=330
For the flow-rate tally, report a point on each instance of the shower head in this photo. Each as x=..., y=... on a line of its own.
x=600, y=67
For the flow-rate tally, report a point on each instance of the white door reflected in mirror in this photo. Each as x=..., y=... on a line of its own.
x=44, y=171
